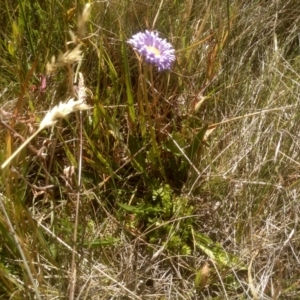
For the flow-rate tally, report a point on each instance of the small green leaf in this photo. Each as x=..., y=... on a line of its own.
x=215, y=251
x=102, y=242
x=11, y=49
x=129, y=208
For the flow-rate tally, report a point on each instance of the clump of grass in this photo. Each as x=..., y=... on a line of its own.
x=178, y=184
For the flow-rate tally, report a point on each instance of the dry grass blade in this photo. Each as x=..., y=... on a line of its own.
x=19, y=247
x=250, y=279
x=172, y=169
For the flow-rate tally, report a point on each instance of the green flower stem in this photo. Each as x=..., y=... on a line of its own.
x=148, y=74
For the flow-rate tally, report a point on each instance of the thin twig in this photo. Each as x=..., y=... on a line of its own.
x=157, y=14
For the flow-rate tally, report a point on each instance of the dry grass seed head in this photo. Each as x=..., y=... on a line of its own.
x=68, y=58
x=61, y=111
x=83, y=19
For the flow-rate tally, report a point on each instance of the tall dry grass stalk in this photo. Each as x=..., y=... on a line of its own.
x=188, y=180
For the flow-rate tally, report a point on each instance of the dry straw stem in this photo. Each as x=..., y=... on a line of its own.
x=251, y=115
x=58, y=112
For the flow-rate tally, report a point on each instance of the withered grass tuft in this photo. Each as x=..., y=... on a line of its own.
x=180, y=184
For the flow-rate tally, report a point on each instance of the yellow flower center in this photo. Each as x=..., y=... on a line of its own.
x=153, y=50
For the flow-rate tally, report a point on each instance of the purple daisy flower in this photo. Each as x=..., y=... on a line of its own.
x=156, y=51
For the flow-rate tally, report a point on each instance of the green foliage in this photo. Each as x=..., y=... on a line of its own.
x=167, y=217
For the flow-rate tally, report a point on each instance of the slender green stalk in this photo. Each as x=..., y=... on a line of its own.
x=152, y=127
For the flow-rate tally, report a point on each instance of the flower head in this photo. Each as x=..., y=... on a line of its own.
x=155, y=50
